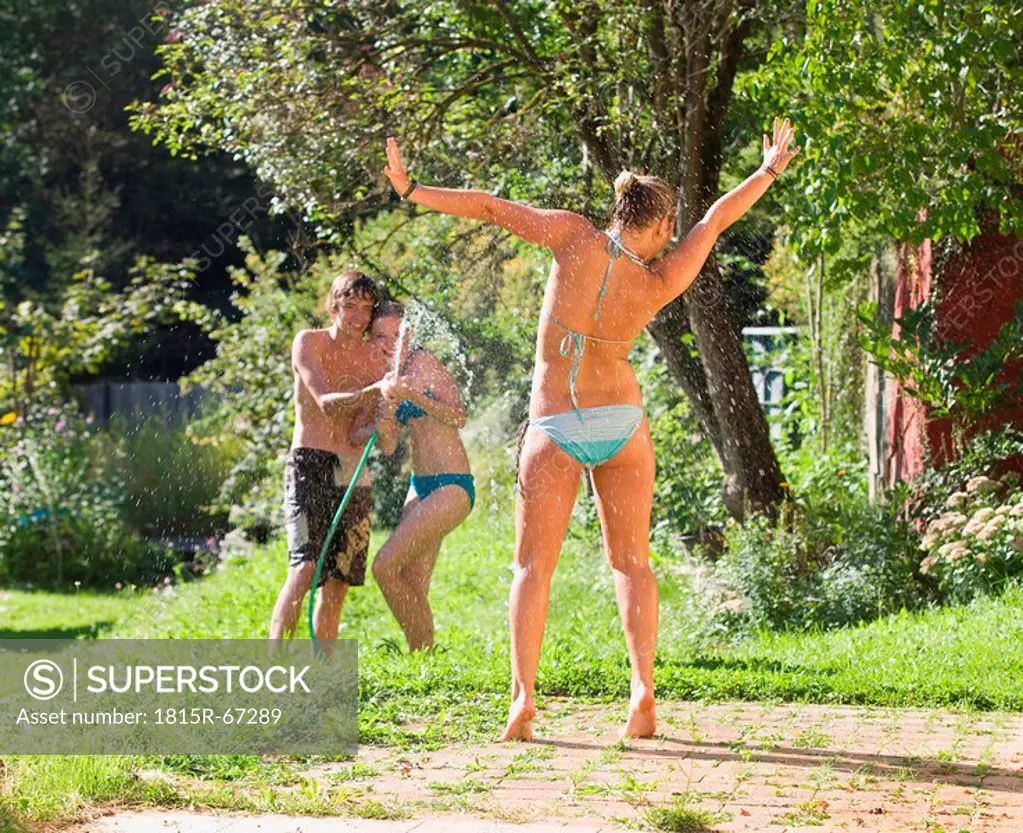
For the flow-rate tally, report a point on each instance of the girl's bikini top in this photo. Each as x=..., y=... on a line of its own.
x=409, y=410
x=574, y=342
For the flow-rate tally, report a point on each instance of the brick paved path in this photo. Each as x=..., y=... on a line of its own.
x=755, y=767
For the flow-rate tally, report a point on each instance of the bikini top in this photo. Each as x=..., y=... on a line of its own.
x=574, y=342
x=409, y=410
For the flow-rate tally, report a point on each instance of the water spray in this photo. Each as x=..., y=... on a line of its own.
x=403, y=331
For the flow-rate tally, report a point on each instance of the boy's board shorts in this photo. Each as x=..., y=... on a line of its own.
x=312, y=492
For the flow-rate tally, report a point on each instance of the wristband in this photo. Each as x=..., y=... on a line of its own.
x=411, y=188
x=771, y=171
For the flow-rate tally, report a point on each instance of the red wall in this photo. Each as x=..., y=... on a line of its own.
x=981, y=286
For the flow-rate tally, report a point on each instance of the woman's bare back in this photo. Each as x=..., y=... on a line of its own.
x=571, y=298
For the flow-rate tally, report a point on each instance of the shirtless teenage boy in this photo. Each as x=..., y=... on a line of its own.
x=335, y=369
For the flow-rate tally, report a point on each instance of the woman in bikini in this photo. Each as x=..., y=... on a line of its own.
x=424, y=397
x=602, y=291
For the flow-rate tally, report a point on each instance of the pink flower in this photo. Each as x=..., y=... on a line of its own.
x=167, y=580
x=51, y=411
x=60, y=426
x=211, y=543
x=118, y=585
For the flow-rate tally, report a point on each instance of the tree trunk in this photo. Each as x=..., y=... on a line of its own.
x=815, y=317
x=667, y=330
x=877, y=418
x=735, y=422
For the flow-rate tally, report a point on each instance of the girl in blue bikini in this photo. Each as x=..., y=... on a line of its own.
x=585, y=408
x=425, y=398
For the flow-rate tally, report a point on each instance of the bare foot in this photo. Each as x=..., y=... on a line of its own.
x=520, y=720
x=641, y=722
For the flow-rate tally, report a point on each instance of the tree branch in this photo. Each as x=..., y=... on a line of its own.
x=520, y=38
x=718, y=102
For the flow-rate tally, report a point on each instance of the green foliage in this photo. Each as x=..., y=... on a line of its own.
x=823, y=363
x=687, y=490
x=486, y=287
x=678, y=817
x=871, y=572
x=827, y=486
x=983, y=453
x=90, y=193
x=935, y=371
x=504, y=96
x=61, y=520
x=920, y=102
x=830, y=560
x=250, y=379
x=170, y=476
x=765, y=568
x=47, y=341
x=349, y=73
x=963, y=558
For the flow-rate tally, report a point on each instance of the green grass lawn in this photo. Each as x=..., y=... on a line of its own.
x=949, y=657
x=966, y=657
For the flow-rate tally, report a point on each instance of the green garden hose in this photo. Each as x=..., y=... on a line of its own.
x=330, y=534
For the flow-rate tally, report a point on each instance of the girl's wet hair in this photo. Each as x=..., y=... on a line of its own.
x=389, y=309
x=351, y=284
x=641, y=200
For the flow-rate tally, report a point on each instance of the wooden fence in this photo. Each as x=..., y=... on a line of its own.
x=138, y=400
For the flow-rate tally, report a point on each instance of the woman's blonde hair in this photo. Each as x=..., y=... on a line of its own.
x=641, y=200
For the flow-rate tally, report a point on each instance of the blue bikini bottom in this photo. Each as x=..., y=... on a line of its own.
x=592, y=435
x=424, y=484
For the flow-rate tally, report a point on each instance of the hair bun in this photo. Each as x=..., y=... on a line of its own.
x=624, y=181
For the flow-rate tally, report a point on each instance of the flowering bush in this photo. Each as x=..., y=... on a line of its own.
x=59, y=521
x=977, y=543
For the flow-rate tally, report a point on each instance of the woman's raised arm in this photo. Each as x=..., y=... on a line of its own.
x=679, y=268
x=547, y=227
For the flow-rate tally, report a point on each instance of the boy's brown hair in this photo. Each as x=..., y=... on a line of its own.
x=351, y=284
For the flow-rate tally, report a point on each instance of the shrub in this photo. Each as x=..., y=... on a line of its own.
x=171, y=477
x=250, y=379
x=61, y=521
x=764, y=569
x=984, y=454
x=821, y=564
x=871, y=572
